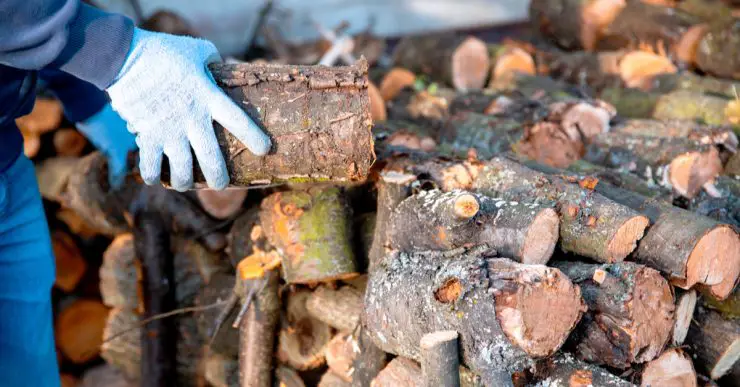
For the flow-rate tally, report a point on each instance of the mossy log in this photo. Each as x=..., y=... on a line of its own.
x=566, y=370
x=258, y=328
x=673, y=367
x=311, y=143
x=691, y=249
x=456, y=60
x=312, y=231
x=714, y=342
x=494, y=305
x=339, y=308
x=436, y=220
x=303, y=338
x=676, y=162
x=630, y=312
x=729, y=308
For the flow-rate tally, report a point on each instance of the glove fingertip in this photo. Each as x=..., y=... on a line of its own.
x=259, y=144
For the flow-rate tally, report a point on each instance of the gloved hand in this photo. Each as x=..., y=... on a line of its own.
x=169, y=98
x=107, y=131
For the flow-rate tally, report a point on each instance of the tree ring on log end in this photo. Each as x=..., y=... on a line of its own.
x=626, y=237
x=470, y=64
x=714, y=261
x=541, y=238
x=651, y=297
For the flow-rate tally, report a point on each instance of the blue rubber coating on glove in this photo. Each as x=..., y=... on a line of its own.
x=107, y=131
x=27, y=353
x=169, y=99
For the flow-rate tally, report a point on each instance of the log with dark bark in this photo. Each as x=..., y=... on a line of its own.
x=630, y=312
x=672, y=368
x=566, y=370
x=340, y=308
x=303, y=338
x=159, y=337
x=393, y=187
x=684, y=312
x=400, y=372
x=676, y=162
x=436, y=220
x=440, y=359
x=494, y=305
x=311, y=143
x=456, y=60
x=312, y=230
x=719, y=201
x=714, y=342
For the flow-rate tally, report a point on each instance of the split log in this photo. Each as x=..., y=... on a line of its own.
x=687, y=247
x=399, y=372
x=257, y=329
x=340, y=354
x=392, y=189
x=330, y=379
x=684, y=313
x=714, y=342
x=159, y=337
x=79, y=330
x=440, y=359
x=590, y=224
x=494, y=305
x=436, y=220
x=302, y=340
x=221, y=204
x=680, y=163
x=69, y=262
x=630, y=312
x=459, y=61
x=395, y=80
x=340, y=308
x=311, y=142
x=312, y=231
x=672, y=368
x=69, y=142
x=221, y=370
x=46, y=115
x=565, y=370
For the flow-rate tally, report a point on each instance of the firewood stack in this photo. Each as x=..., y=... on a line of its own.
x=558, y=211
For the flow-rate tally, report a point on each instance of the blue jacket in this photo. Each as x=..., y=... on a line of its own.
x=77, y=49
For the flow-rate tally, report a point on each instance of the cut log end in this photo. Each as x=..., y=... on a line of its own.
x=377, y=104
x=541, y=237
x=684, y=312
x=672, y=368
x=301, y=345
x=686, y=48
x=430, y=340
x=626, y=237
x=514, y=61
x=466, y=206
x=689, y=172
x=470, y=64
x=586, y=120
x=69, y=142
x=79, y=330
x=652, y=313
x=714, y=261
x=638, y=67
x=394, y=81
x=537, y=316
x=221, y=204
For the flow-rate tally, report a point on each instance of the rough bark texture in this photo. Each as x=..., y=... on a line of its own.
x=340, y=308
x=436, y=220
x=718, y=52
x=490, y=303
x=440, y=359
x=459, y=61
x=714, y=342
x=311, y=142
x=590, y=224
x=672, y=368
x=312, y=231
x=719, y=201
x=567, y=371
x=369, y=362
x=399, y=372
x=630, y=312
x=303, y=338
x=392, y=189
x=257, y=330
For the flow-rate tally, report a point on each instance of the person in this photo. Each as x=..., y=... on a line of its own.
x=110, y=76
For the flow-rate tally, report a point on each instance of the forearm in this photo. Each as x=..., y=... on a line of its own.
x=64, y=34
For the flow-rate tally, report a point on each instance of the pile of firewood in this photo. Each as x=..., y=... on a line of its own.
x=560, y=211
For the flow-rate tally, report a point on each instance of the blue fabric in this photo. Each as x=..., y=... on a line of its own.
x=80, y=99
x=27, y=353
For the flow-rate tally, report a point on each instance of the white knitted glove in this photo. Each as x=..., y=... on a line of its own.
x=169, y=99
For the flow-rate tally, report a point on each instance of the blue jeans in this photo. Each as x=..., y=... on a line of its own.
x=27, y=271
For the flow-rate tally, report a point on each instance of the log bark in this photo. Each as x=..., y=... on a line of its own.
x=489, y=302
x=718, y=52
x=684, y=312
x=680, y=163
x=159, y=337
x=459, y=61
x=257, y=330
x=79, y=330
x=590, y=224
x=433, y=220
x=339, y=308
x=392, y=189
x=399, y=372
x=312, y=230
x=672, y=368
x=311, y=142
x=719, y=201
x=630, y=312
x=303, y=338
x=340, y=355
x=714, y=342
x=440, y=359
x=369, y=361
x=566, y=370
x=244, y=234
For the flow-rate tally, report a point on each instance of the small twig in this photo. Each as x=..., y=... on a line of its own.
x=342, y=118
x=221, y=318
x=253, y=290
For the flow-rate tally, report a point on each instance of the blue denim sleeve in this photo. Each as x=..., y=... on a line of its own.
x=64, y=34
